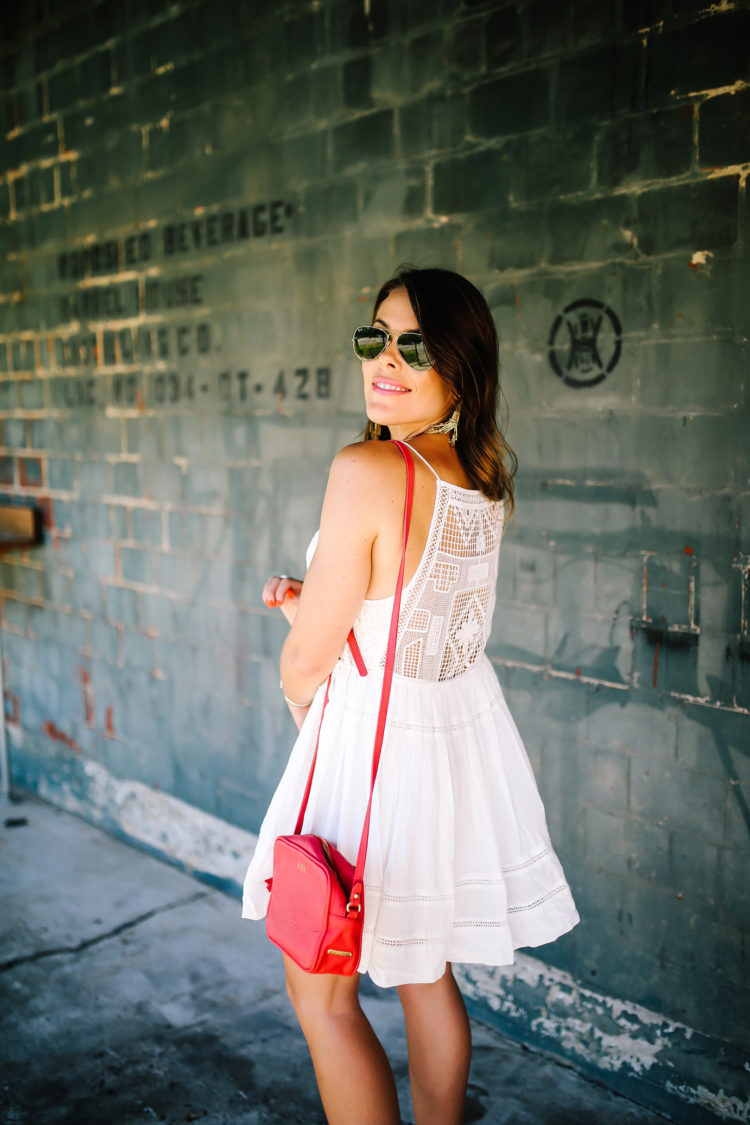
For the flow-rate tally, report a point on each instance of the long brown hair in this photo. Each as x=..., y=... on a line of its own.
x=461, y=339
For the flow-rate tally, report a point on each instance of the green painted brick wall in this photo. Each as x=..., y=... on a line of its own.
x=197, y=202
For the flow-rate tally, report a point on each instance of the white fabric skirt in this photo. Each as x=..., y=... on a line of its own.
x=459, y=864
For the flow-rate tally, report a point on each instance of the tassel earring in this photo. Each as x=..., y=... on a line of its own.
x=450, y=427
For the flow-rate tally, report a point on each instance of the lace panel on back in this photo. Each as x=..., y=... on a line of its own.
x=447, y=609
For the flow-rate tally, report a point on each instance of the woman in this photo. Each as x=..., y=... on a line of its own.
x=459, y=864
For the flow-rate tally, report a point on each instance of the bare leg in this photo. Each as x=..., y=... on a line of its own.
x=439, y=1038
x=354, y=1077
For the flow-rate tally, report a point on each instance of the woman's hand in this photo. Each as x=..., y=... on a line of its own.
x=282, y=592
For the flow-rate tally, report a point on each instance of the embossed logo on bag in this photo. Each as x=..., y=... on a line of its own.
x=301, y=867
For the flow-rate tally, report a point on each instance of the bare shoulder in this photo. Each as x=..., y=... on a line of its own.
x=365, y=465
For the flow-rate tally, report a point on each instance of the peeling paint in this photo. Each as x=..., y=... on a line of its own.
x=601, y=1033
x=725, y=1106
x=196, y=841
x=54, y=732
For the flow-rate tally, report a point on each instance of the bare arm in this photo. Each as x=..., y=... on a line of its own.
x=356, y=501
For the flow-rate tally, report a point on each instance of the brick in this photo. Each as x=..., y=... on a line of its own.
x=533, y=574
x=436, y=122
x=352, y=27
x=8, y=580
x=606, y=848
x=638, y=15
x=146, y=526
x=86, y=595
x=465, y=45
x=512, y=104
x=135, y=565
x=138, y=651
x=88, y=520
x=652, y=146
x=60, y=474
x=57, y=588
x=15, y=614
x=43, y=432
x=591, y=230
x=504, y=240
x=732, y=885
x=101, y=558
x=364, y=141
x=14, y=433
x=698, y=216
x=177, y=574
x=357, y=83
x=159, y=613
x=329, y=206
x=471, y=183
x=31, y=393
x=724, y=130
x=693, y=865
x=583, y=645
x=701, y=56
x=598, y=84
x=96, y=74
x=207, y=486
x=693, y=301
x=393, y=195
x=504, y=40
x=699, y=374
x=597, y=778
x=672, y=797
x=733, y=955
x=574, y=583
x=65, y=172
x=552, y=163
x=8, y=394
x=29, y=583
x=63, y=88
x=648, y=851
x=162, y=483
x=518, y=634
x=126, y=478
x=121, y=605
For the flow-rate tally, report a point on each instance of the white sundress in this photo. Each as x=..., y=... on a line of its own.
x=459, y=866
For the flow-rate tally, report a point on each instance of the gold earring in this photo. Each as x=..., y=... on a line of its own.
x=450, y=427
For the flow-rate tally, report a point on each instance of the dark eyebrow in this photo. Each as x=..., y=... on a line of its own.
x=379, y=320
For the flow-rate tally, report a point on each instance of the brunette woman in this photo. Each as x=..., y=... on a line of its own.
x=459, y=864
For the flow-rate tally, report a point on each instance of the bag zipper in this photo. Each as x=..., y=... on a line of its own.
x=332, y=865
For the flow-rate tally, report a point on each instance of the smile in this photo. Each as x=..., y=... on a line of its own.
x=388, y=388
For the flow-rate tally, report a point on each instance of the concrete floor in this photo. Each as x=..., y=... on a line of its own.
x=129, y=993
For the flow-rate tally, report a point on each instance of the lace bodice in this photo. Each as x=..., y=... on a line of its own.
x=446, y=609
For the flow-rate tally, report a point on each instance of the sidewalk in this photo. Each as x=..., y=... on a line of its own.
x=130, y=992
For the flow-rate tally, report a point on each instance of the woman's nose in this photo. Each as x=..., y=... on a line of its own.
x=391, y=353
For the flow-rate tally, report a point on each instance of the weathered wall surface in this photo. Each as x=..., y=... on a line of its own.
x=197, y=201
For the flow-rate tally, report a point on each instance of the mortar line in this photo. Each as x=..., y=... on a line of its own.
x=87, y=943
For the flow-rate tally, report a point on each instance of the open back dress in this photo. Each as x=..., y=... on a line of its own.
x=459, y=863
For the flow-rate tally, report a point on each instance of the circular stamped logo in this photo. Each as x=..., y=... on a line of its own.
x=585, y=342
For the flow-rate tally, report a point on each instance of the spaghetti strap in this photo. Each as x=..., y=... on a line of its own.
x=421, y=458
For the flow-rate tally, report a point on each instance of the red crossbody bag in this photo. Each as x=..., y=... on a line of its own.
x=316, y=909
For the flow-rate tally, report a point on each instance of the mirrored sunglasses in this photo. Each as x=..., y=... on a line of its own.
x=370, y=341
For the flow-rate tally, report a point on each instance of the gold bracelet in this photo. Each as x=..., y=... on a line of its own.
x=291, y=702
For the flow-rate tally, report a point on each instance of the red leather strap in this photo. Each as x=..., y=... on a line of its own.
x=308, y=787
x=351, y=640
x=390, y=657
